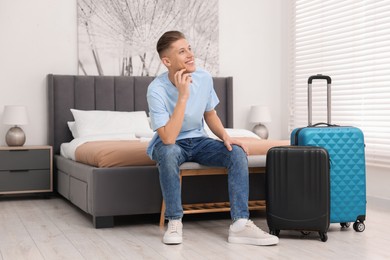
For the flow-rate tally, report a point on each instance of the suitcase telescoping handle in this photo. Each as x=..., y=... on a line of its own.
x=309, y=95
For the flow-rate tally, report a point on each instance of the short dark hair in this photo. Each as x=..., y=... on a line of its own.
x=167, y=39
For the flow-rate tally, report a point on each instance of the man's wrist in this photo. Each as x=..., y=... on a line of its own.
x=182, y=100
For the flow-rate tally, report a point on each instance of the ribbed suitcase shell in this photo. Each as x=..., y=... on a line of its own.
x=297, y=190
x=345, y=146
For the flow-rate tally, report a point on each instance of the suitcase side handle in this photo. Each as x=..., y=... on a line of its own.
x=328, y=96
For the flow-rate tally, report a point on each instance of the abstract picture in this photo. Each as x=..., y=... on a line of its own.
x=119, y=37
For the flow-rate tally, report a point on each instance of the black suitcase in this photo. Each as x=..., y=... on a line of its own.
x=298, y=189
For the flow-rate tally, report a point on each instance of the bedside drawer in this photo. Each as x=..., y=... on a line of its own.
x=28, y=159
x=24, y=180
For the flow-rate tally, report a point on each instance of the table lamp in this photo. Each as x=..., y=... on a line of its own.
x=260, y=115
x=15, y=116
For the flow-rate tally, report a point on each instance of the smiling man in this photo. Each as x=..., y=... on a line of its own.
x=179, y=101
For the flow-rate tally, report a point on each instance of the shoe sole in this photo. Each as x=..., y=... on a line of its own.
x=173, y=241
x=253, y=241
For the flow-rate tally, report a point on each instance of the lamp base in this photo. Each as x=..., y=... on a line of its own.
x=15, y=137
x=261, y=131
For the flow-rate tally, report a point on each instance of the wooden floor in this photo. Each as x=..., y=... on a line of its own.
x=37, y=228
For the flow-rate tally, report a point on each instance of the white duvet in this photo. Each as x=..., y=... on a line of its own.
x=68, y=150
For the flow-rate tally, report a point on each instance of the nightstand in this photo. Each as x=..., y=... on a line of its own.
x=26, y=169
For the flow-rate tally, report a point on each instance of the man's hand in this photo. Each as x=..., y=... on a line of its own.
x=182, y=82
x=217, y=128
x=228, y=142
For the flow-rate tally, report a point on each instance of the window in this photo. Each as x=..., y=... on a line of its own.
x=349, y=41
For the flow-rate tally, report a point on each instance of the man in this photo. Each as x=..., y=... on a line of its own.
x=179, y=100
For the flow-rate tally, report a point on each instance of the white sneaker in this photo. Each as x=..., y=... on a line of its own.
x=174, y=233
x=251, y=235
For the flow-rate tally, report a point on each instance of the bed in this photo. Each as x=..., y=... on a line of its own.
x=107, y=192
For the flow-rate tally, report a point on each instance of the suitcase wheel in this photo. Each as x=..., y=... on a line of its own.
x=305, y=233
x=274, y=232
x=323, y=236
x=359, y=226
x=345, y=224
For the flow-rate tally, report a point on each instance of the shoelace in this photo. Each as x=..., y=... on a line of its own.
x=173, y=226
x=252, y=225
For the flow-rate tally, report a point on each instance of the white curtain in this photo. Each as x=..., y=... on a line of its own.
x=349, y=40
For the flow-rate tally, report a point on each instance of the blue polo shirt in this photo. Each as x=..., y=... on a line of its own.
x=162, y=97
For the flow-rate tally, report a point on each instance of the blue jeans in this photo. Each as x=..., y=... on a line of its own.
x=205, y=151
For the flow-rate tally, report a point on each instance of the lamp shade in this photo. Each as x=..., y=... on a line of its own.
x=259, y=114
x=15, y=115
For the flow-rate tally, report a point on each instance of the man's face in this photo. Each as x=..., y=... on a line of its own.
x=180, y=56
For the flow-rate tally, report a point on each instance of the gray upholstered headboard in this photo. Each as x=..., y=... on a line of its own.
x=116, y=93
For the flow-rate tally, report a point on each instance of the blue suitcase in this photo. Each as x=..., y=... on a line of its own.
x=345, y=146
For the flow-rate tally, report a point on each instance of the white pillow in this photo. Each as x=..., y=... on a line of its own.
x=97, y=122
x=232, y=132
x=73, y=129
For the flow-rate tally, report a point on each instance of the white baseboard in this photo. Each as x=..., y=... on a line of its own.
x=379, y=203
x=378, y=180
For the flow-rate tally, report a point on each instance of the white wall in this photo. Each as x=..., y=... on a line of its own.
x=37, y=37
x=250, y=51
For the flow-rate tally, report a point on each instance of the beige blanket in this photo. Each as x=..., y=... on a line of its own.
x=133, y=153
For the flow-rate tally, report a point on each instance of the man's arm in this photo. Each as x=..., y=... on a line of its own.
x=215, y=125
x=171, y=130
